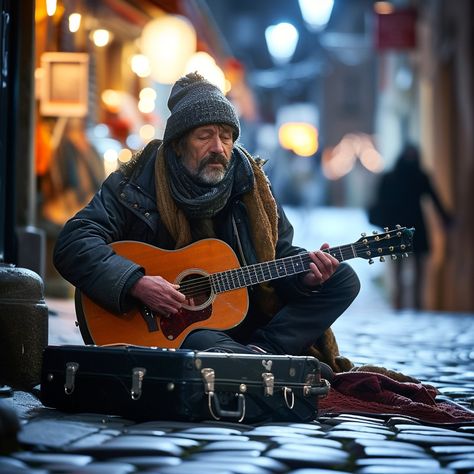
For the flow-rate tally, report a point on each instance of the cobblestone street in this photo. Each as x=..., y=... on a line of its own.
x=436, y=348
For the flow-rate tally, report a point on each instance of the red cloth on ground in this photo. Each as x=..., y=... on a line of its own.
x=368, y=392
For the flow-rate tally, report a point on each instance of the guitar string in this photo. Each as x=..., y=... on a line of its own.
x=204, y=284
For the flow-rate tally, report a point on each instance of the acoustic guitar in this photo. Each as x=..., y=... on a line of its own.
x=215, y=286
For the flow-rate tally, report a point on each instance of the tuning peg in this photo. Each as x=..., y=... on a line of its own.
x=393, y=257
x=375, y=232
x=385, y=229
x=382, y=259
x=371, y=261
x=398, y=226
x=363, y=234
x=405, y=255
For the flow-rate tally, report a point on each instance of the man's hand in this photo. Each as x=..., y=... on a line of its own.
x=321, y=268
x=158, y=294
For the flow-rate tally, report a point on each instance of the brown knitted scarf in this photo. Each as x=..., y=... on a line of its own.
x=263, y=217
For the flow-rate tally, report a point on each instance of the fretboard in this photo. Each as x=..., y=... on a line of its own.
x=267, y=271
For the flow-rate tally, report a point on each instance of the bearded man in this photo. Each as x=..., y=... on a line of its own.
x=197, y=183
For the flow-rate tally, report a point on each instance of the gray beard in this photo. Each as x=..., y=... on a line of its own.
x=210, y=176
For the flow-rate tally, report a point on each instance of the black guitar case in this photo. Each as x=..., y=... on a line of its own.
x=145, y=383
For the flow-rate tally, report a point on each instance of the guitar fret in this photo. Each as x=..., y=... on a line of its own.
x=215, y=279
x=354, y=254
x=248, y=279
x=235, y=278
x=274, y=270
x=258, y=278
x=230, y=278
x=221, y=283
x=227, y=280
x=302, y=261
x=261, y=269
x=241, y=279
x=342, y=255
x=269, y=270
x=350, y=252
x=296, y=265
x=255, y=276
x=212, y=282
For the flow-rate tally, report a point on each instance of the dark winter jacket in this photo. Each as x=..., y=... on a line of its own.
x=125, y=209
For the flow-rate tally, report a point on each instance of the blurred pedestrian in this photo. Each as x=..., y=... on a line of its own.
x=398, y=200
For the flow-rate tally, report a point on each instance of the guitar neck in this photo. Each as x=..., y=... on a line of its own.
x=267, y=271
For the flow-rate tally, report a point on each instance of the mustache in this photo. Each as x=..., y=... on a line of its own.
x=213, y=158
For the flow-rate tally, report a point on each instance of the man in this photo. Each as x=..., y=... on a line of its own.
x=199, y=183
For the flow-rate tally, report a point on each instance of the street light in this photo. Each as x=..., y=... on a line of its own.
x=316, y=13
x=168, y=42
x=205, y=65
x=281, y=41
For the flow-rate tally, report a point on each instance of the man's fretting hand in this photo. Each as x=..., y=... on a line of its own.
x=158, y=294
x=321, y=268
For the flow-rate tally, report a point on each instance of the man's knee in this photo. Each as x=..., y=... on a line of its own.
x=351, y=282
x=344, y=282
x=202, y=339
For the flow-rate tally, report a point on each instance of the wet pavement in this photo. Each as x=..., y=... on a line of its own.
x=437, y=348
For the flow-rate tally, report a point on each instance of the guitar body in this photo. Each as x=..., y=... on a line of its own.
x=206, y=309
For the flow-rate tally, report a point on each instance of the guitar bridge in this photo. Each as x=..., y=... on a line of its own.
x=149, y=318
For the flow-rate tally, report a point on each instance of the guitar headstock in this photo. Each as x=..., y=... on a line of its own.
x=397, y=242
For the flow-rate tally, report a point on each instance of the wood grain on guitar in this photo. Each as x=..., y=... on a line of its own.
x=214, y=283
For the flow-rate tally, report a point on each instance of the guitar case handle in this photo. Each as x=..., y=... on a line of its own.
x=217, y=412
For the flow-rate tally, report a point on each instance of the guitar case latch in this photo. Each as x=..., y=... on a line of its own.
x=268, y=383
x=71, y=369
x=208, y=377
x=138, y=374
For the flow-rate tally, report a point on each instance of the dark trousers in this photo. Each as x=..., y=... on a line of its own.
x=296, y=326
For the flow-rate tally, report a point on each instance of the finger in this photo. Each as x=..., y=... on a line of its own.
x=177, y=294
x=325, y=266
x=334, y=260
x=315, y=271
x=321, y=260
x=180, y=297
x=169, y=308
x=327, y=257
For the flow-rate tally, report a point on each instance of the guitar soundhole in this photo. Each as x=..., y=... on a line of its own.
x=197, y=289
x=196, y=286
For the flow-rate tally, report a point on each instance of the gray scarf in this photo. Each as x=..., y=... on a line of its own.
x=199, y=200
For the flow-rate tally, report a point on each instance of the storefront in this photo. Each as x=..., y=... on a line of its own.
x=94, y=80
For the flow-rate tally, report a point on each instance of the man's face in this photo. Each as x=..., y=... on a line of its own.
x=207, y=151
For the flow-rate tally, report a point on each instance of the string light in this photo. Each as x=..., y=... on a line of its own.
x=141, y=65
x=339, y=161
x=74, y=22
x=101, y=37
x=51, y=6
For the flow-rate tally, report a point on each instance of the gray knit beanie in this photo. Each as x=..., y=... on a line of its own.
x=194, y=102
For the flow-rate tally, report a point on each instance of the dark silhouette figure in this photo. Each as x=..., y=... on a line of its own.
x=399, y=201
